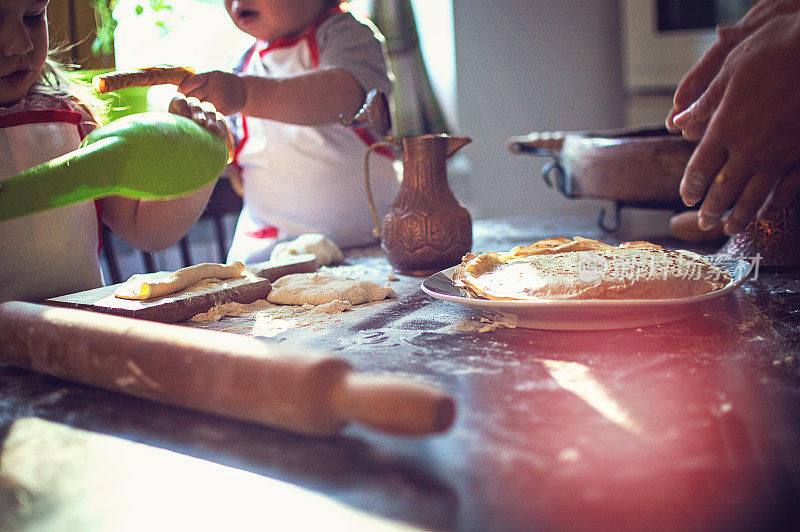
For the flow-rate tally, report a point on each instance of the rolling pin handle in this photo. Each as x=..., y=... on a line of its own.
x=393, y=405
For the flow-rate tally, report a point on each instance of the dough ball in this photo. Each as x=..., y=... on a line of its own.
x=313, y=243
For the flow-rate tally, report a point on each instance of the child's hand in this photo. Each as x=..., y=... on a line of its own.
x=203, y=113
x=224, y=89
x=234, y=175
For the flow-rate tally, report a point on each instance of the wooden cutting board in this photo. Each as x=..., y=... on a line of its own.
x=181, y=306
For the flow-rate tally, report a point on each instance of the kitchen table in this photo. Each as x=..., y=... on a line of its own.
x=688, y=425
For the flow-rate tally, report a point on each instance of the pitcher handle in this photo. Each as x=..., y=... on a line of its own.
x=376, y=230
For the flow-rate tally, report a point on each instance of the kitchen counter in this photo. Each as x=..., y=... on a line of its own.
x=691, y=425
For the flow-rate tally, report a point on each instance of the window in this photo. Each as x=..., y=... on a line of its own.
x=183, y=36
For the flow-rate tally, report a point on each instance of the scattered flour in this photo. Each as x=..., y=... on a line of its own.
x=218, y=312
x=473, y=326
x=333, y=307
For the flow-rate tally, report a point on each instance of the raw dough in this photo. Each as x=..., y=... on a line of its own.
x=145, y=286
x=319, y=289
x=314, y=243
x=334, y=307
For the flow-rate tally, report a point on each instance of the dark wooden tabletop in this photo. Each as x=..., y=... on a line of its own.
x=688, y=425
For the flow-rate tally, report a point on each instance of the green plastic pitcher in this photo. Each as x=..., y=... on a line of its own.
x=145, y=155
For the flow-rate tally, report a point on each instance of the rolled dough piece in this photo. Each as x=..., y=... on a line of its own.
x=319, y=289
x=314, y=243
x=145, y=287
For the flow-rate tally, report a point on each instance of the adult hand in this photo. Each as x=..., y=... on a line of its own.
x=224, y=89
x=697, y=80
x=748, y=123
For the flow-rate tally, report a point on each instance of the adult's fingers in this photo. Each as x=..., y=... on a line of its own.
x=702, y=168
x=729, y=182
x=698, y=79
x=752, y=197
x=764, y=11
x=694, y=120
x=728, y=37
x=781, y=195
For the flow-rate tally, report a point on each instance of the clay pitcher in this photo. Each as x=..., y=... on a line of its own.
x=426, y=229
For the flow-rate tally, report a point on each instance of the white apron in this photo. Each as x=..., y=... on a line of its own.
x=300, y=179
x=55, y=252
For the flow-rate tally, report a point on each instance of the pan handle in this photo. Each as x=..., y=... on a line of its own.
x=537, y=143
x=547, y=144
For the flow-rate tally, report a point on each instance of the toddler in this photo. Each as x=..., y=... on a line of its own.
x=302, y=172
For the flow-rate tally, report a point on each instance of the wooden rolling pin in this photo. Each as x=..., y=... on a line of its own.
x=221, y=373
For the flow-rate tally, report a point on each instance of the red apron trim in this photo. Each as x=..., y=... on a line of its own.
x=313, y=47
x=41, y=117
x=309, y=34
x=269, y=231
x=242, y=142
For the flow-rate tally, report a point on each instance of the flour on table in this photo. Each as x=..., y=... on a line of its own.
x=233, y=309
x=320, y=289
x=492, y=325
x=484, y=325
x=334, y=307
x=313, y=243
x=263, y=319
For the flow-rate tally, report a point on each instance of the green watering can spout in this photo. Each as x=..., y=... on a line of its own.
x=145, y=155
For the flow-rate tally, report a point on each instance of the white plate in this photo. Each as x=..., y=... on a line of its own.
x=590, y=314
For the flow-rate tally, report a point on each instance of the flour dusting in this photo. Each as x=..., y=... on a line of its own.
x=473, y=326
x=232, y=309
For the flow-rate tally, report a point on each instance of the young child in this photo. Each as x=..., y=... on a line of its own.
x=302, y=172
x=55, y=252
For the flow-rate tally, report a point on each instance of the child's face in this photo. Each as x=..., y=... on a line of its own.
x=269, y=20
x=23, y=46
